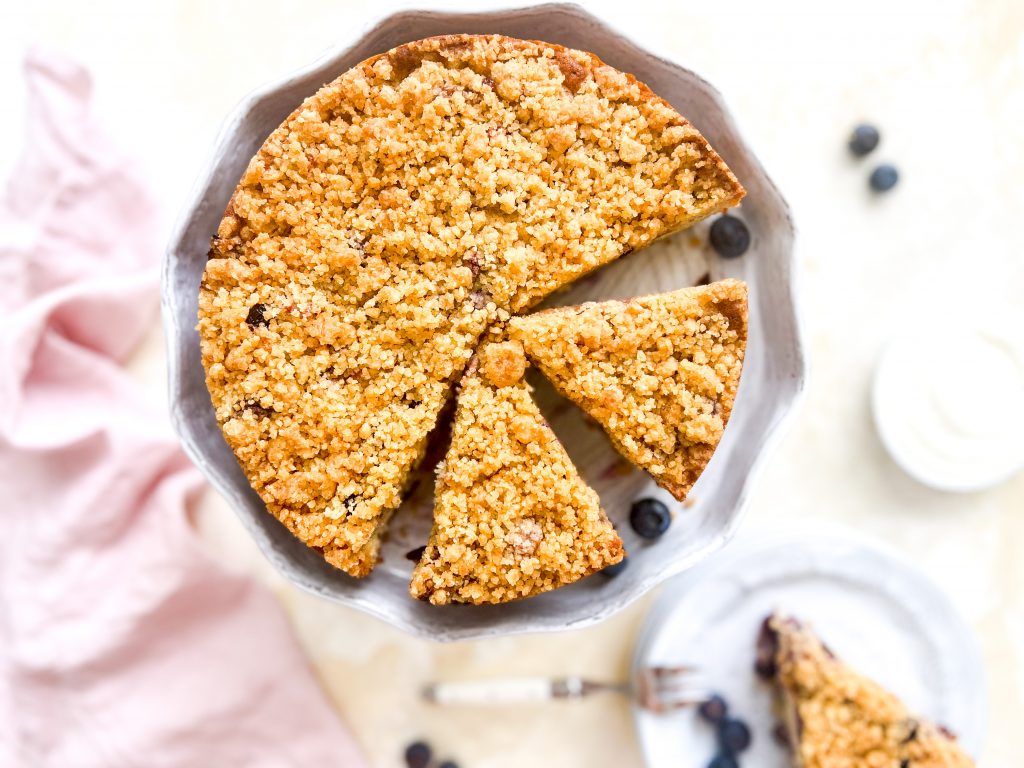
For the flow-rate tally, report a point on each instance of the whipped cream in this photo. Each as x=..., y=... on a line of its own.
x=949, y=400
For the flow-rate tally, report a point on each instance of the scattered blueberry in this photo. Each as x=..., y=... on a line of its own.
x=884, y=178
x=650, y=518
x=733, y=736
x=729, y=236
x=723, y=760
x=714, y=709
x=417, y=755
x=448, y=764
x=864, y=139
x=611, y=571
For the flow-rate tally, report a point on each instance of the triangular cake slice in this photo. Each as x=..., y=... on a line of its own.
x=834, y=716
x=512, y=518
x=659, y=373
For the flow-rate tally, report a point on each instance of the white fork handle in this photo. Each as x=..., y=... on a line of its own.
x=520, y=690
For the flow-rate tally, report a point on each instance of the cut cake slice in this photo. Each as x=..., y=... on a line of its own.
x=659, y=373
x=837, y=718
x=512, y=518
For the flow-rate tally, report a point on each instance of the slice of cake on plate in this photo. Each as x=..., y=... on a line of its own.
x=512, y=518
x=837, y=718
x=423, y=195
x=659, y=373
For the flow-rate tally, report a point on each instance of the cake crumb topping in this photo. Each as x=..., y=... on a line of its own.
x=504, y=363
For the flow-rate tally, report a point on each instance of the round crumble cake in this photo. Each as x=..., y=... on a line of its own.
x=419, y=198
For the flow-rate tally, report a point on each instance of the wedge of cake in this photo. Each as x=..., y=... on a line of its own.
x=419, y=197
x=837, y=718
x=512, y=518
x=659, y=373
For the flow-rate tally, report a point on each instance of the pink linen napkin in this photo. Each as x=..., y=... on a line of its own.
x=121, y=643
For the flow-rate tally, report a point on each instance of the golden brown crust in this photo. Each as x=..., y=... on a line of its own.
x=844, y=720
x=512, y=518
x=415, y=200
x=659, y=373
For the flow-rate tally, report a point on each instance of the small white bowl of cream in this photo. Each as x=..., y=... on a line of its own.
x=948, y=398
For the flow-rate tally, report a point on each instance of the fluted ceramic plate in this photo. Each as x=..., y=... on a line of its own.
x=870, y=607
x=772, y=379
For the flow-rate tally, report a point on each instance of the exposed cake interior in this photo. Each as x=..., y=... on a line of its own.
x=659, y=373
x=836, y=717
x=512, y=518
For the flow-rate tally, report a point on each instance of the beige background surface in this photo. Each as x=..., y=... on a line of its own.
x=944, y=81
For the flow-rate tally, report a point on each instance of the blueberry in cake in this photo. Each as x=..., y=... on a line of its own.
x=512, y=518
x=837, y=718
x=420, y=197
x=659, y=373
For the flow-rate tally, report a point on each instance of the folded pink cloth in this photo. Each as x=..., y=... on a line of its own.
x=121, y=643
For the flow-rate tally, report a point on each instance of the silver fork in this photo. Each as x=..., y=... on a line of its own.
x=657, y=689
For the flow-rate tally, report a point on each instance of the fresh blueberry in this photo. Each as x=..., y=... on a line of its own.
x=417, y=755
x=884, y=178
x=649, y=517
x=448, y=764
x=257, y=315
x=864, y=139
x=611, y=571
x=723, y=760
x=730, y=237
x=714, y=709
x=733, y=736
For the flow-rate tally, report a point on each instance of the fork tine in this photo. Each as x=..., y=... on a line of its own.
x=666, y=679
x=677, y=683
x=695, y=698
x=662, y=671
x=664, y=688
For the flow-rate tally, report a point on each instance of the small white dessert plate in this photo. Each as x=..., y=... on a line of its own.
x=872, y=609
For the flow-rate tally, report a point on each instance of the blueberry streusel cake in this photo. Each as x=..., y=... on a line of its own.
x=512, y=518
x=397, y=213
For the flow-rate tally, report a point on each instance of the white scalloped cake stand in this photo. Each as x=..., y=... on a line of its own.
x=772, y=381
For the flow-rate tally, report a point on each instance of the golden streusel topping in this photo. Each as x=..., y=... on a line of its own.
x=419, y=197
x=659, y=373
x=512, y=517
x=845, y=720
